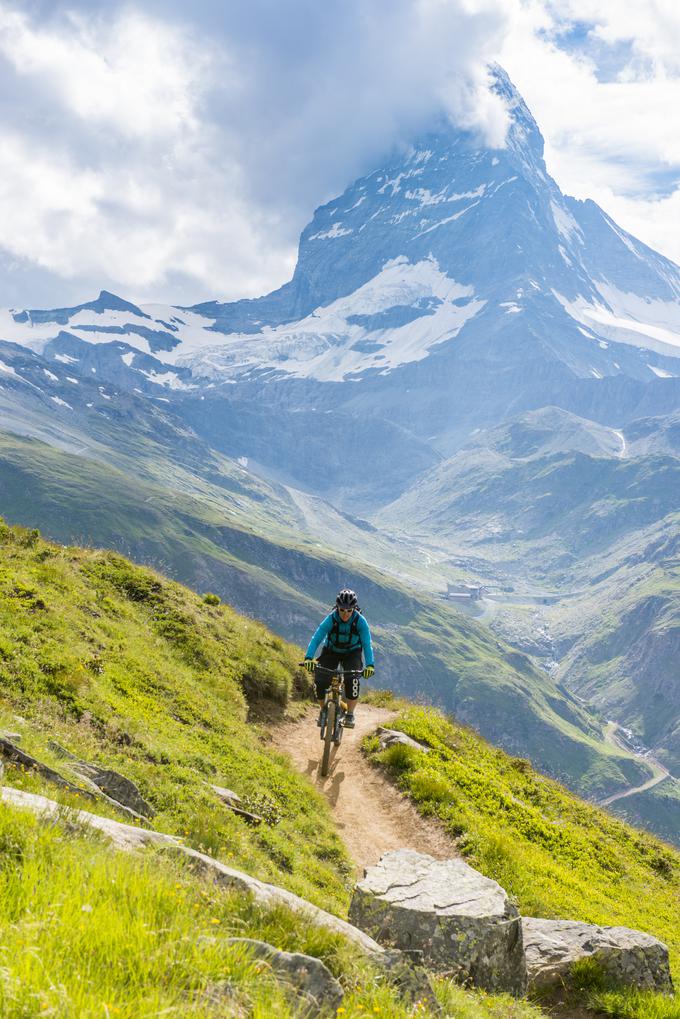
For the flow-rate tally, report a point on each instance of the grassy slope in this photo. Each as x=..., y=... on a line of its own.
x=120, y=665
x=656, y=809
x=426, y=647
x=136, y=673
x=625, y=659
x=90, y=933
x=559, y=856
x=559, y=506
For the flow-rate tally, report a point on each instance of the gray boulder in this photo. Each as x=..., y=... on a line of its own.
x=314, y=983
x=626, y=957
x=114, y=786
x=388, y=738
x=463, y=922
x=117, y=787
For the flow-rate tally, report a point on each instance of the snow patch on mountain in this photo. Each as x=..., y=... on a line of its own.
x=61, y=403
x=660, y=373
x=151, y=331
x=625, y=317
x=337, y=230
x=8, y=370
x=29, y=334
x=395, y=318
x=565, y=223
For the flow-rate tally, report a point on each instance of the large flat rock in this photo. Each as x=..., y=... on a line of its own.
x=626, y=957
x=463, y=922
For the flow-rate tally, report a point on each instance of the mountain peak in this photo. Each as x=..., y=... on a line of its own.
x=111, y=302
x=524, y=137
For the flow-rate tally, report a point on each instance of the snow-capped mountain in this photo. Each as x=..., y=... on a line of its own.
x=451, y=289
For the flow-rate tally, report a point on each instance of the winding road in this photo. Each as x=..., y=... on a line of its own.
x=660, y=773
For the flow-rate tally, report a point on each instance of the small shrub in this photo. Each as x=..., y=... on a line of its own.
x=381, y=698
x=211, y=599
x=587, y=975
x=426, y=784
x=265, y=680
x=663, y=865
x=401, y=758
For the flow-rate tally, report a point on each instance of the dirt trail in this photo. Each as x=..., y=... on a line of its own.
x=371, y=815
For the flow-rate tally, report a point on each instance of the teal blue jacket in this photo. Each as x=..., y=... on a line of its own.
x=361, y=639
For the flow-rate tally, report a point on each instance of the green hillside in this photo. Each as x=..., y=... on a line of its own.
x=559, y=508
x=559, y=856
x=110, y=660
x=237, y=545
x=625, y=658
x=578, y=550
x=134, y=672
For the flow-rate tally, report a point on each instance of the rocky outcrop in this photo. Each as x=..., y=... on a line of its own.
x=115, y=787
x=15, y=755
x=390, y=737
x=123, y=836
x=626, y=957
x=463, y=923
x=130, y=837
x=412, y=912
x=317, y=990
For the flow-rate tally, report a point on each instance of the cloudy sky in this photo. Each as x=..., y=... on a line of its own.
x=172, y=151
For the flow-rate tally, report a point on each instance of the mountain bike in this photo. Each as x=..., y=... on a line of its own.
x=332, y=713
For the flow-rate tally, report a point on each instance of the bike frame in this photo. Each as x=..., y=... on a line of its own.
x=334, y=708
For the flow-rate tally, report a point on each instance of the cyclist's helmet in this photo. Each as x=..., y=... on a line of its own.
x=346, y=599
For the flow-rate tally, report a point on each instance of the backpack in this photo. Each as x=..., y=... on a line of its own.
x=334, y=635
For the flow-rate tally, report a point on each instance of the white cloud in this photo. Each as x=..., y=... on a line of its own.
x=615, y=140
x=136, y=75
x=174, y=152
x=159, y=142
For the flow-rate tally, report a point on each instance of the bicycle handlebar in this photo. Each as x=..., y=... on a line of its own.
x=345, y=672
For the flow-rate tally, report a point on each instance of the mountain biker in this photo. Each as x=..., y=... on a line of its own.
x=346, y=635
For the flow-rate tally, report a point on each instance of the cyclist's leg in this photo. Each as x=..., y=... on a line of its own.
x=352, y=664
x=328, y=660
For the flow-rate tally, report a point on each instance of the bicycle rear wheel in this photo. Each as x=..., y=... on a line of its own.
x=328, y=737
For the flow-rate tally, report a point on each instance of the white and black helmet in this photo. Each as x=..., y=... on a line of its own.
x=346, y=599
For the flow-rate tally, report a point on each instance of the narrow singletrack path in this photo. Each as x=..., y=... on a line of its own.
x=371, y=814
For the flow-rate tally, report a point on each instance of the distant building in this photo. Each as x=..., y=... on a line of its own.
x=463, y=592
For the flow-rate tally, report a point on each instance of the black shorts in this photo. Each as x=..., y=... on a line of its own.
x=352, y=662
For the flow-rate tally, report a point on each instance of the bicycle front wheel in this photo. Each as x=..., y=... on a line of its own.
x=328, y=737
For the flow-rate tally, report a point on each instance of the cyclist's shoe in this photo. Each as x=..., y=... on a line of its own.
x=322, y=718
x=348, y=720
